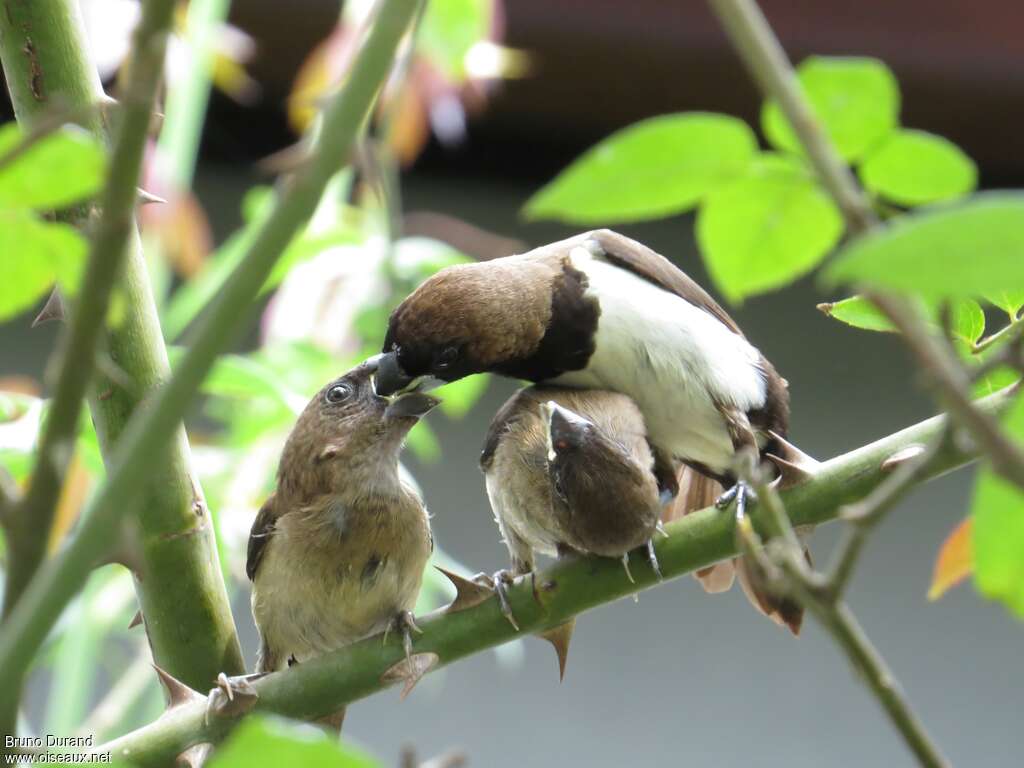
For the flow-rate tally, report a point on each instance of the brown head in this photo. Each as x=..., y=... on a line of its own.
x=348, y=437
x=508, y=316
x=607, y=484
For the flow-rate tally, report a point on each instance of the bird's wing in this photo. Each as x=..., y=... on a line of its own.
x=259, y=536
x=503, y=419
x=636, y=257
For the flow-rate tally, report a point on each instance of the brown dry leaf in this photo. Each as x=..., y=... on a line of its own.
x=955, y=561
x=183, y=229
x=322, y=68
x=410, y=126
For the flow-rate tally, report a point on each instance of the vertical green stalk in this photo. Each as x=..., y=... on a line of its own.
x=42, y=46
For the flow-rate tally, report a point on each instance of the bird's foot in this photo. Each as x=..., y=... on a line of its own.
x=233, y=695
x=742, y=494
x=405, y=624
x=500, y=582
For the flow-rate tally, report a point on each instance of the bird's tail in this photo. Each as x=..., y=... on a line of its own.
x=696, y=491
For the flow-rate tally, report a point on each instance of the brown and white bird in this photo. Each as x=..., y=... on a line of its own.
x=570, y=470
x=337, y=552
x=601, y=311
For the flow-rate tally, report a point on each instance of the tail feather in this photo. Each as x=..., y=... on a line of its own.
x=697, y=491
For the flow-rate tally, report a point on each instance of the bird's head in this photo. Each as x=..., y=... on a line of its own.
x=346, y=426
x=469, y=318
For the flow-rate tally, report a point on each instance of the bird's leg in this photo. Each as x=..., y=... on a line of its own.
x=499, y=581
x=404, y=623
x=742, y=494
x=653, y=559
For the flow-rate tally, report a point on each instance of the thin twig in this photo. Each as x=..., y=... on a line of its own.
x=865, y=515
x=953, y=385
x=788, y=571
x=765, y=59
x=767, y=62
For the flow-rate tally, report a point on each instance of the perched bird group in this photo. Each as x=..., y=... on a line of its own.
x=645, y=392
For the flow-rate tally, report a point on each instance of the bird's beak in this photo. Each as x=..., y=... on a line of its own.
x=565, y=428
x=411, y=405
x=389, y=377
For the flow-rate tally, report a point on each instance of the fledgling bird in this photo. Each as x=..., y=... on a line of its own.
x=570, y=470
x=337, y=552
x=602, y=311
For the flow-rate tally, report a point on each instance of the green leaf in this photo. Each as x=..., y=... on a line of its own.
x=998, y=540
x=766, y=229
x=914, y=168
x=859, y=313
x=857, y=101
x=449, y=30
x=64, y=167
x=36, y=255
x=1008, y=301
x=416, y=258
x=967, y=321
x=654, y=168
x=271, y=742
x=305, y=247
x=969, y=250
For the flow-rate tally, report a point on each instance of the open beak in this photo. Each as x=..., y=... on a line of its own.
x=410, y=405
x=389, y=377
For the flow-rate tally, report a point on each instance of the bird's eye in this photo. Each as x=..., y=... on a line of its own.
x=448, y=356
x=339, y=393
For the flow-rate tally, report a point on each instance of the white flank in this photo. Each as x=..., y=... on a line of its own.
x=673, y=358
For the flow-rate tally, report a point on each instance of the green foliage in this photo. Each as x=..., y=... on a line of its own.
x=857, y=101
x=37, y=254
x=998, y=531
x=55, y=171
x=858, y=312
x=915, y=167
x=766, y=229
x=1008, y=301
x=450, y=28
x=271, y=742
x=655, y=168
x=969, y=250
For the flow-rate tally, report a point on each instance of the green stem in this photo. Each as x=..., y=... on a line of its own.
x=145, y=438
x=179, y=582
x=188, y=97
x=571, y=586
x=753, y=39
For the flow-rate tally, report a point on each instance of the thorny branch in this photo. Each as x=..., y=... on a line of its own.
x=571, y=586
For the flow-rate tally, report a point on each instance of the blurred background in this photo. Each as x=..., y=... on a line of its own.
x=679, y=676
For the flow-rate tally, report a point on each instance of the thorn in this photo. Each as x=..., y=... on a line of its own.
x=787, y=451
x=410, y=671
x=560, y=637
x=660, y=528
x=232, y=696
x=467, y=593
x=902, y=456
x=136, y=620
x=52, y=311
x=195, y=756
x=145, y=198
x=177, y=692
x=789, y=474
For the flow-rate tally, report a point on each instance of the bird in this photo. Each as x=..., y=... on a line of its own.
x=602, y=311
x=571, y=471
x=337, y=552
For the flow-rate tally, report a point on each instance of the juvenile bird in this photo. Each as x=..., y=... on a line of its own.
x=570, y=470
x=337, y=552
x=602, y=311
